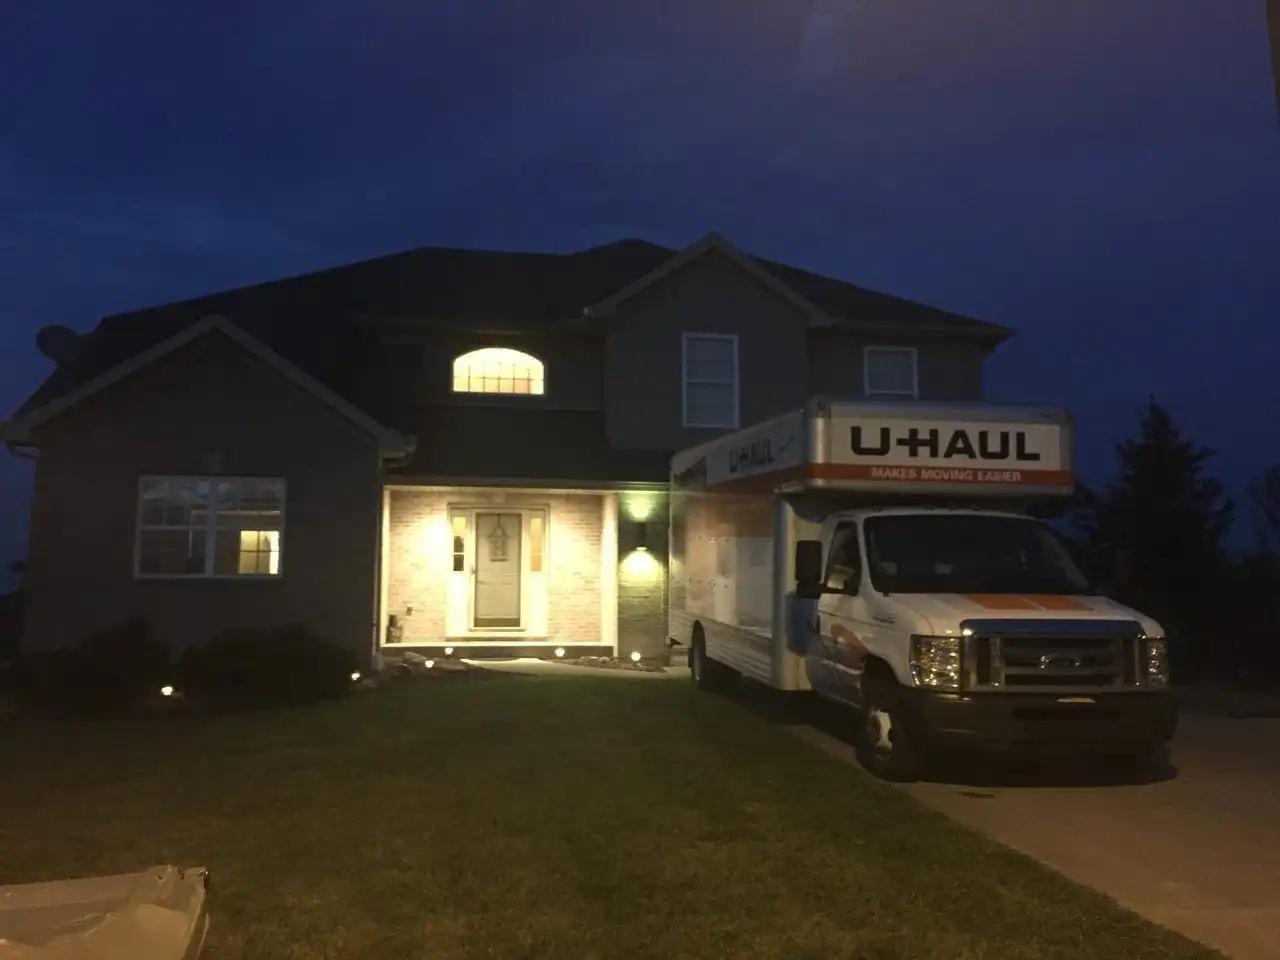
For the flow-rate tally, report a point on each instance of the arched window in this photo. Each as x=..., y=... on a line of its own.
x=498, y=370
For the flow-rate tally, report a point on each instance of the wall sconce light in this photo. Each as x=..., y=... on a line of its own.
x=642, y=536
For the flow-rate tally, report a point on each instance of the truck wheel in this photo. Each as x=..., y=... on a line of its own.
x=1147, y=761
x=707, y=673
x=884, y=747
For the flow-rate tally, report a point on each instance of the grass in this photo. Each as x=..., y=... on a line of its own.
x=563, y=818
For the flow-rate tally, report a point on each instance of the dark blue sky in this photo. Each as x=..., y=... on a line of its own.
x=1103, y=176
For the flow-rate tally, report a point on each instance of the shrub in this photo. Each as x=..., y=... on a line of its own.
x=113, y=668
x=283, y=664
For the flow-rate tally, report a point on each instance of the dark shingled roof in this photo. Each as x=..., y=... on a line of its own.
x=309, y=319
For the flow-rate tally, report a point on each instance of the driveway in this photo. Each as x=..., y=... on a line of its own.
x=1198, y=850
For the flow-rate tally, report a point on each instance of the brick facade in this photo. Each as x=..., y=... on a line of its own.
x=421, y=560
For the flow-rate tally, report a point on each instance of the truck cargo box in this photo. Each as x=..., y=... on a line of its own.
x=972, y=449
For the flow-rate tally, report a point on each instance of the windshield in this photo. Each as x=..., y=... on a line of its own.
x=949, y=553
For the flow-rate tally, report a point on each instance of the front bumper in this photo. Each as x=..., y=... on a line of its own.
x=1104, y=721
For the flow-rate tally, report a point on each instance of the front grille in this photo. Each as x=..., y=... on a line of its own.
x=1052, y=662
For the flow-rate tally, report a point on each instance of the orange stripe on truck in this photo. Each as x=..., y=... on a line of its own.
x=1003, y=601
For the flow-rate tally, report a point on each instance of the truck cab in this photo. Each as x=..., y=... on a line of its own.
x=957, y=628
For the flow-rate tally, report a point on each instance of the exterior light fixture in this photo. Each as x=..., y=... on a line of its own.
x=166, y=691
x=448, y=651
x=559, y=651
x=635, y=656
x=642, y=536
x=429, y=664
x=355, y=676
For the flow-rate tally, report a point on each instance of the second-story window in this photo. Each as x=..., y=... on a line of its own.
x=891, y=373
x=499, y=370
x=710, y=385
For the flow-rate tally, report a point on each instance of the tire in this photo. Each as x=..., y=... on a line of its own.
x=707, y=674
x=884, y=747
x=1143, y=762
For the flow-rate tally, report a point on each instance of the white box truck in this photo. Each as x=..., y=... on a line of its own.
x=881, y=556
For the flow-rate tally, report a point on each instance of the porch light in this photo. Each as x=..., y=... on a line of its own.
x=642, y=536
x=559, y=651
x=635, y=656
x=166, y=691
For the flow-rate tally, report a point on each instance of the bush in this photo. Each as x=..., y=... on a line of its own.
x=111, y=669
x=283, y=664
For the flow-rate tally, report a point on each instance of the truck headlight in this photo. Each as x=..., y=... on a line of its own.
x=935, y=662
x=1157, y=656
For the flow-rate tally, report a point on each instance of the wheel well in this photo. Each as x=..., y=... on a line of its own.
x=878, y=671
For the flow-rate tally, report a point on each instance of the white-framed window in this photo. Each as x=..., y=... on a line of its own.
x=891, y=372
x=499, y=370
x=209, y=527
x=710, y=380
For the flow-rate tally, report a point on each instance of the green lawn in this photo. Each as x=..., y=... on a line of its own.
x=519, y=817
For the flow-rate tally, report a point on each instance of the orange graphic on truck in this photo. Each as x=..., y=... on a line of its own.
x=1006, y=601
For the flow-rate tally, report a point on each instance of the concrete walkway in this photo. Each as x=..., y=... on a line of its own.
x=1197, y=851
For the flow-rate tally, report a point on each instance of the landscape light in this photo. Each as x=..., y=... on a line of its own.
x=355, y=676
x=448, y=651
x=166, y=691
x=559, y=651
x=635, y=656
x=429, y=664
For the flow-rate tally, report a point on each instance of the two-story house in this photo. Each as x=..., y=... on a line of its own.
x=444, y=447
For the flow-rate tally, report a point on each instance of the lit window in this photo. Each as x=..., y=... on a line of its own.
x=891, y=372
x=459, y=543
x=711, y=380
x=209, y=527
x=537, y=544
x=498, y=370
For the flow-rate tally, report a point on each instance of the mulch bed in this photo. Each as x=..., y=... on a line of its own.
x=609, y=663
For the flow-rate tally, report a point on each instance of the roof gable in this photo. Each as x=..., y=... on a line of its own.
x=17, y=431
x=711, y=242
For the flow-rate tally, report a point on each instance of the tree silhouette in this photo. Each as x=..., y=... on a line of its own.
x=1264, y=501
x=1157, y=532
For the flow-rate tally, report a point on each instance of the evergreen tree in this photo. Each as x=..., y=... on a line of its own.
x=1157, y=532
x=1264, y=499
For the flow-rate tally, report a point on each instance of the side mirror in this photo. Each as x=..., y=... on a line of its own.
x=808, y=564
x=809, y=591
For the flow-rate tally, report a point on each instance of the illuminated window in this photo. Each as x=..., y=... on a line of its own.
x=537, y=532
x=498, y=370
x=459, y=543
x=209, y=527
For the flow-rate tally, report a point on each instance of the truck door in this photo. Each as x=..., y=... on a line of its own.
x=835, y=661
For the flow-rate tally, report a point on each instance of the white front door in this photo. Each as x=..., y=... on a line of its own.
x=497, y=572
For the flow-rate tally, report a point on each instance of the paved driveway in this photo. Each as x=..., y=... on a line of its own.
x=1198, y=850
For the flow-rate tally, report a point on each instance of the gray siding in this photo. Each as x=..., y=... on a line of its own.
x=209, y=399
x=949, y=369
x=709, y=295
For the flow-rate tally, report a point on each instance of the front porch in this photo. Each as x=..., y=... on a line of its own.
x=495, y=572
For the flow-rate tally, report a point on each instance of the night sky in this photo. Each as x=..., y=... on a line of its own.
x=1103, y=176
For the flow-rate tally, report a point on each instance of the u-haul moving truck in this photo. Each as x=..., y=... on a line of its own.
x=880, y=555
